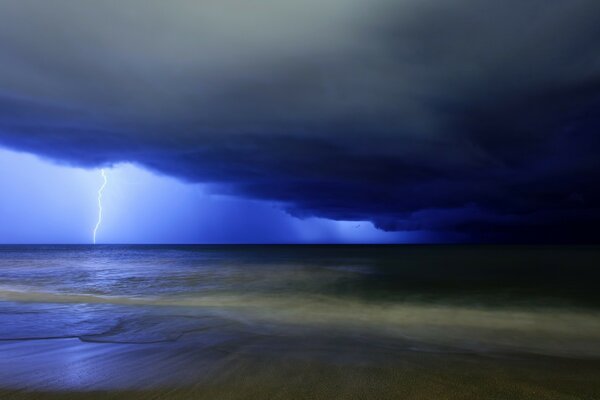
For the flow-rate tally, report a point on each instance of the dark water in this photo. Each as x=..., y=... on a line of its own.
x=180, y=310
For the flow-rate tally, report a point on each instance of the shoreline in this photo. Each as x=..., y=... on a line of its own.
x=70, y=369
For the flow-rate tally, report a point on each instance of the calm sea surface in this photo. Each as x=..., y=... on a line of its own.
x=171, y=311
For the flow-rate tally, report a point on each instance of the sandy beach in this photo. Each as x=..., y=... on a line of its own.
x=71, y=369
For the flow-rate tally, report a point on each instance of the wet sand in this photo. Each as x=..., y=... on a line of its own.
x=71, y=369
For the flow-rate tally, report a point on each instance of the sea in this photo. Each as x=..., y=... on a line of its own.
x=290, y=321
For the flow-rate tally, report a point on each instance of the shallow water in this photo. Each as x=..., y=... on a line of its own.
x=139, y=317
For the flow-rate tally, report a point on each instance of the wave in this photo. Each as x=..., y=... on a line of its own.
x=563, y=332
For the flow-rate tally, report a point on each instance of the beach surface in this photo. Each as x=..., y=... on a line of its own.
x=70, y=369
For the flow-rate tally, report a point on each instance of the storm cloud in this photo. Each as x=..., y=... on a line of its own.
x=479, y=118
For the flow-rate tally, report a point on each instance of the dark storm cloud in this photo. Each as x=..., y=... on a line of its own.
x=472, y=117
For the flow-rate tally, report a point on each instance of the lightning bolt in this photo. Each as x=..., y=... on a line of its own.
x=100, y=203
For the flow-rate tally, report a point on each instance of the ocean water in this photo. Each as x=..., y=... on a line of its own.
x=88, y=317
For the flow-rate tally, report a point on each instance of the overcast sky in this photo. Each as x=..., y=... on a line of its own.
x=470, y=119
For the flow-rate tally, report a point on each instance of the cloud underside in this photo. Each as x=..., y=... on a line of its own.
x=471, y=117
